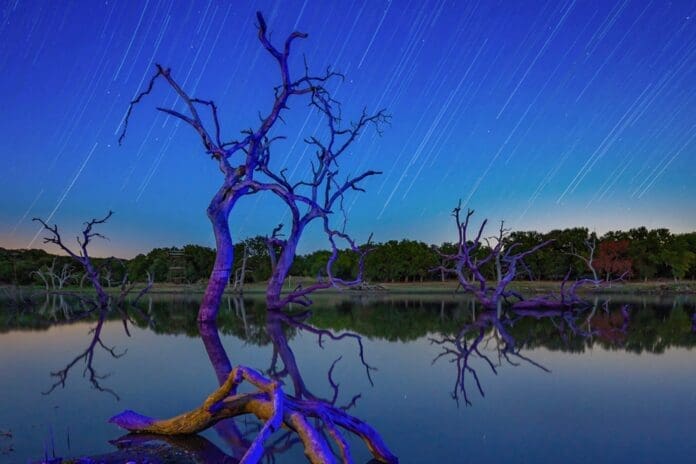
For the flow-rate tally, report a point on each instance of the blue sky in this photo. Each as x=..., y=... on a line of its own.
x=546, y=114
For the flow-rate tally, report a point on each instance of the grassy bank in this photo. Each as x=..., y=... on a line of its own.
x=657, y=287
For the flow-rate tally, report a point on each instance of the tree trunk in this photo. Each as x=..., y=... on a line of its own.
x=224, y=255
x=216, y=351
x=274, y=328
x=282, y=268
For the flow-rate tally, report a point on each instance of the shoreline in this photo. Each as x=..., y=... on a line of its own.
x=655, y=287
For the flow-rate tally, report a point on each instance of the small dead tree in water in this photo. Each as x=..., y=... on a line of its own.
x=253, y=173
x=507, y=260
x=82, y=256
x=101, y=304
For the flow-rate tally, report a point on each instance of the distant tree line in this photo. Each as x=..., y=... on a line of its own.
x=638, y=254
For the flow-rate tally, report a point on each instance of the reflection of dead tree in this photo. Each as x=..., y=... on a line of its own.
x=87, y=356
x=472, y=258
x=275, y=323
x=55, y=305
x=314, y=422
x=459, y=349
x=298, y=321
x=102, y=302
x=493, y=343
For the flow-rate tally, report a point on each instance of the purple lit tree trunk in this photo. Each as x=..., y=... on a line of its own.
x=215, y=350
x=218, y=213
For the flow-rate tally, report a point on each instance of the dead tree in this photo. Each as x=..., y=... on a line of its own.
x=82, y=256
x=101, y=303
x=589, y=260
x=488, y=339
x=269, y=404
x=506, y=260
x=245, y=164
x=464, y=262
x=107, y=271
x=57, y=279
x=41, y=274
x=240, y=274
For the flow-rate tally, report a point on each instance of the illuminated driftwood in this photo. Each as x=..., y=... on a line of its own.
x=290, y=375
x=270, y=405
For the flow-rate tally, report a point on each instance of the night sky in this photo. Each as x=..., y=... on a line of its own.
x=547, y=114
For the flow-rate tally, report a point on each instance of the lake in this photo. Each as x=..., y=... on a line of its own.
x=440, y=379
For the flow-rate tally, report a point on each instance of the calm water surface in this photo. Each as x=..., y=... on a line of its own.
x=617, y=384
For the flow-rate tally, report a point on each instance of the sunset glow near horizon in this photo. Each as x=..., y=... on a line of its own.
x=545, y=114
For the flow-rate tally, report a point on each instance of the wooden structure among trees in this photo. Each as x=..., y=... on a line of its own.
x=177, y=266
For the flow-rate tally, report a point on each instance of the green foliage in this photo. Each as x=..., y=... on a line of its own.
x=679, y=256
x=650, y=254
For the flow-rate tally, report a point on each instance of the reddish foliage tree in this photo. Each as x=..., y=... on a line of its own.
x=612, y=258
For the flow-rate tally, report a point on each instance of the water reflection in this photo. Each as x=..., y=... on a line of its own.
x=489, y=338
x=319, y=424
x=465, y=334
x=68, y=308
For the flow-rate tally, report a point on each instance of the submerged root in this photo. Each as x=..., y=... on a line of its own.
x=270, y=405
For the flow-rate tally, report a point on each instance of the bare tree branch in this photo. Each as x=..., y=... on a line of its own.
x=320, y=194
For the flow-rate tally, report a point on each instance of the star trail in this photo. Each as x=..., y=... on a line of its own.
x=545, y=113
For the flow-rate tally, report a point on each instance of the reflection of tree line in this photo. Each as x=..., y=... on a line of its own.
x=470, y=336
x=656, y=324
